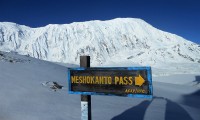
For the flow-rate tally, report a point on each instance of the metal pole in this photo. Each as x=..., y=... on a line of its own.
x=85, y=99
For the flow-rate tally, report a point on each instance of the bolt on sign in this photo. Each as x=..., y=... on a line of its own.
x=119, y=81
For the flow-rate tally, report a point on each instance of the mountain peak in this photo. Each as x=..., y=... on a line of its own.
x=122, y=40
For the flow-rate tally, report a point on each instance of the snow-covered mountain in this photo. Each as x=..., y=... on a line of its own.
x=121, y=40
x=29, y=87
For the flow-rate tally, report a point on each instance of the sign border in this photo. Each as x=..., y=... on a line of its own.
x=149, y=78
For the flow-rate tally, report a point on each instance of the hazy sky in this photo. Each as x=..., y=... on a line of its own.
x=181, y=17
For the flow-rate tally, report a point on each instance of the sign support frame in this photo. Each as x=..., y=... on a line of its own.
x=85, y=99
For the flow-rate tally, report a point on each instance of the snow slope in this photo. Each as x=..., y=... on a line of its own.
x=126, y=40
x=26, y=94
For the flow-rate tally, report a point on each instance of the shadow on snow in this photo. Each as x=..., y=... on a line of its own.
x=197, y=80
x=193, y=99
x=173, y=111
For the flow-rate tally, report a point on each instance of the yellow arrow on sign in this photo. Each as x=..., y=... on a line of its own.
x=139, y=80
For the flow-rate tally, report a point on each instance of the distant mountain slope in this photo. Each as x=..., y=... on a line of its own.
x=127, y=40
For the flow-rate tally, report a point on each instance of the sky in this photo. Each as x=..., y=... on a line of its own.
x=181, y=17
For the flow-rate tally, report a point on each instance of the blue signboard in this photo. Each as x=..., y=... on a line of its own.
x=118, y=81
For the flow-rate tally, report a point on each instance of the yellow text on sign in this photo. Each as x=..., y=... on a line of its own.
x=117, y=80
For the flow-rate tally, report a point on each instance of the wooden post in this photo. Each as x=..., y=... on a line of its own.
x=85, y=99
